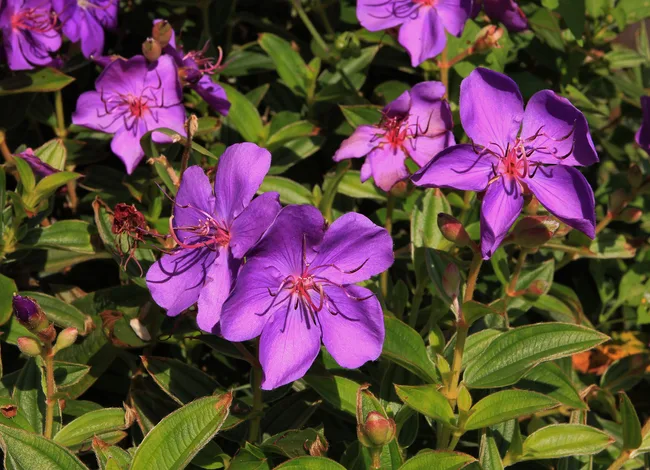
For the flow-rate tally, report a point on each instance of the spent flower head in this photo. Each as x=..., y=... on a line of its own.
x=514, y=152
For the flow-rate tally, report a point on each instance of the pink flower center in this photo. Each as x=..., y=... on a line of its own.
x=396, y=131
x=208, y=232
x=137, y=106
x=426, y=3
x=31, y=19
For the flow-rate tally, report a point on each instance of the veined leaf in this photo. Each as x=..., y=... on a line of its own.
x=632, y=438
x=426, y=399
x=438, y=460
x=311, y=463
x=95, y=423
x=62, y=314
x=564, y=440
x=504, y=405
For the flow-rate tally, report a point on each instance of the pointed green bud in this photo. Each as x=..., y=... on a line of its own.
x=151, y=49
x=29, y=346
x=533, y=231
x=66, y=339
x=464, y=399
x=162, y=32
x=453, y=230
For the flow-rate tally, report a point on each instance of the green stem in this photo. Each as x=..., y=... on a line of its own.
x=472, y=276
x=258, y=405
x=454, y=441
x=309, y=25
x=604, y=223
x=61, y=129
x=620, y=461
x=417, y=302
x=50, y=390
x=323, y=17
x=388, y=225
x=512, y=285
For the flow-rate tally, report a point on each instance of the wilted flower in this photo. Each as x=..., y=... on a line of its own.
x=505, y=11
x=38, y=166
x=298, y=287
x=29, y=33
x=642, y=136
x=417, y=125
x=133, y=98
x=213, y=232
x=85, y=20
x=423, y=22
x=514, y=152
x=195, y=70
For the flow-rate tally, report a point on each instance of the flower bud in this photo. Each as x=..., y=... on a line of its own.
x=464, y=399
x=66, y=338
x=29, y=313
x=162, y=32
x=617, y=201
x=453, y=230
x=630, y=215
x=488, y=38
x=377, y=431
x=151, y=49
x=634, y=176
x=189, y=75
x=318, y=448
x=533, y=231
x=29, y=346
x=451, y=280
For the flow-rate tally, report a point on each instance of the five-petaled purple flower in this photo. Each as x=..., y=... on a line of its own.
x=195, y=71
x=516, y=151
x=298, y=288
x=133, y=98
x=29, y=33
x=417, y=125
x=642, y=136
x=213, y=232
x=423, y=22
x=505, y=11
x=85, y=20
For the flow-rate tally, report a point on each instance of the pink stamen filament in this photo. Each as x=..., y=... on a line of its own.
x=34, y=20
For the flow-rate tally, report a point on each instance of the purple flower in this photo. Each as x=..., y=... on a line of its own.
x=515, y=152
x=213, y=232
x=25, y=308
x=298, y=288
x=423, y=22
x=642, y=136
x=505, y=11
x=38, y=166
x=417, y=125
x=133, y=98
x=29, y=33
x=195, y=71
x=85, y=20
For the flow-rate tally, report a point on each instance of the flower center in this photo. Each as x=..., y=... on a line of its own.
x=208, y=232
x=137, y=106
x=427, y=3
x=31, y=19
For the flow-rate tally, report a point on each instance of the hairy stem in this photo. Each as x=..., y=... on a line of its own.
x=61, y=129
x=604, y=222
x=512, y=285
x=417, y=302
x=50, y=390
x=388, y=225
x=309, y=25
x=472, y=276
x=620, y=461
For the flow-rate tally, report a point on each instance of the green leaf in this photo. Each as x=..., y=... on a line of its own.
x=19, y=420
x=104, y=454
x=311, y=463
x=62, y=314
x=290, y=66
x=426, y=399
x=564, y=440
x=67, y=374
x=180, y=381
x=293, y=152
x=290, y=132
x=548, y=378
x=243, y=116
x=249, y=457
x=438, y=460
x=504, y=405
x=290, y=191
x=28, y=395
x=547, y=28
x=330, y=188
x=70, y=235
x=24, y=450
x=424, y=220
x=644, y=448
x=489, y=452
x=631, y=425
x=515, y=352
x=46, y=187
x=405, y=347
x=358, y=115
x=291, y=443
x=79, y=432
x=338, y=391
x=352, y=186
x=26, y=174
x=175, y=440
x=7, y=290
x=54, y=153
x=43, y=80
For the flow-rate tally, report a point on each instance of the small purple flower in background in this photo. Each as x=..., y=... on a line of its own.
x=515, y=151
x=38, y=166
x=505, y=11
x=195, y=71
x=213, y=232
x=133, y=98
x=642, y=136
x=29, y=33
x=417, y=124
x=298, y=288
x=85, y=20
x=423, y=22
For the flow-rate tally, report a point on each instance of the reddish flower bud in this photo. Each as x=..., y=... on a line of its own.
x=29, y=313
x=29, y=346
x=151, y=49
x=66, y=338
x=453, y=230
x=533, y=231
x=488, y=38
x=377, y=431
x=451, y=280
x=630, y=215
x=618, y=200
x=162, y=32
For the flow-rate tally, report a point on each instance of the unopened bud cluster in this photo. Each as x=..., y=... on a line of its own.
x=161, y=35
